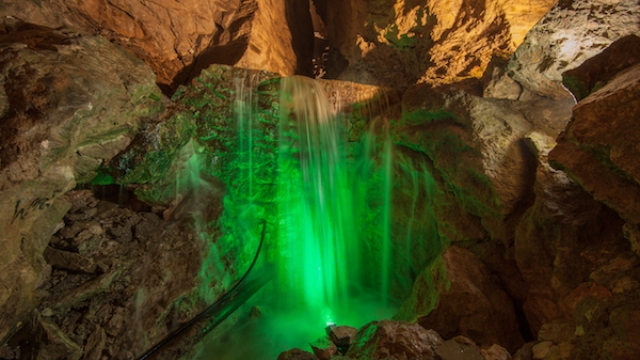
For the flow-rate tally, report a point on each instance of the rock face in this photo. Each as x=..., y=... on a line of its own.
x=552, y=235
x=597, y=149
x=68, y=102
x=471, y=303
x=394, y=340
x=179, y=39
x=139, y=283
x=396, y=43
x=477, y=149
x=572, y=32
x=601, y=144
x=398, y=340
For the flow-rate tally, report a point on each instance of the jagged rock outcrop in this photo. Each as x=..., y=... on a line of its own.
x=396, y=43
x=388, y=339
x=68, y=102
x=395, y=340
x=570, y=33
x=478, y=153
x=563, y=237
x=599, y=147
x=464, y=300
x=179, y=39
x=137, y=285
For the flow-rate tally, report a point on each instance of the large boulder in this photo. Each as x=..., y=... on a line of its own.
x=599, y=147
x=576, y=254
x=478, y=153
x=470, y=302
x=68, y=102
x=396, y=43
x=178, y=39
x=570, y=33
x=387, y=339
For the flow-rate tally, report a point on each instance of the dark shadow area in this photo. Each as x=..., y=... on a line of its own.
x=596, y=72
x=227, y=54
x=301, y=27
x=34, y=36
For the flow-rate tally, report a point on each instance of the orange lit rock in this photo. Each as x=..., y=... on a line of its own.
x=599, y=147
x=177, y=39
x=399, y=42
x=570, y=33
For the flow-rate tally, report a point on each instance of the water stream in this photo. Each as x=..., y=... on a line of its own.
x=328, y=206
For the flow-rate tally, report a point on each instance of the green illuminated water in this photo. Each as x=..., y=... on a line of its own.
x=329, y=210
x=317, y=239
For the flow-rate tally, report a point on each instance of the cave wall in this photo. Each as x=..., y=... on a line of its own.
x=396, y=43
x=179, y=39
x=561, y=240
x=69, y=101
x=548, y=233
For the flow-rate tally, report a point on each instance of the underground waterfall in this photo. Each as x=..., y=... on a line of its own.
x=325, y=199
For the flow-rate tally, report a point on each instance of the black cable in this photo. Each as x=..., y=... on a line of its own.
x=211, y=307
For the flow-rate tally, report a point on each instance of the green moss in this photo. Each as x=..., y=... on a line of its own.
x=421, y=115
x=426, y=292
x=103, y=177
x=579, y=90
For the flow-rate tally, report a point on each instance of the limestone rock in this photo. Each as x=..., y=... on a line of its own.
x=342, y=336
x=497, y=84
x=69, y=260
x=524, y=353
x=598, y=71
x=296, y=354
x=459, y=348
x=570, y=33
x=393, y=340
x=473, y=305
x=396, y=43
x=541, y=350
x=477, y=150
x=57, y=344
x=132, y=298
x=178, y=39
x=61, y=91
x=324, y=348
x=599, y=147
x=495, y=352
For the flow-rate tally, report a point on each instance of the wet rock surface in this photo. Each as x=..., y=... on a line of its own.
x=396, y=340
x=120, y=282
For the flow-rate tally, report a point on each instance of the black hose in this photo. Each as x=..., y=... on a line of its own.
x=210, y=308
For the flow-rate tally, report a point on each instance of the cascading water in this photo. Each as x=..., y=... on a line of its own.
x=316, y=234
x=327, y=204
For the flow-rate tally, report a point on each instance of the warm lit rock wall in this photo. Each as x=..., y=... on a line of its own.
x=178, y=39
x=398, y=42
x=572, y=32
x=599, y=148
x=68, y=101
